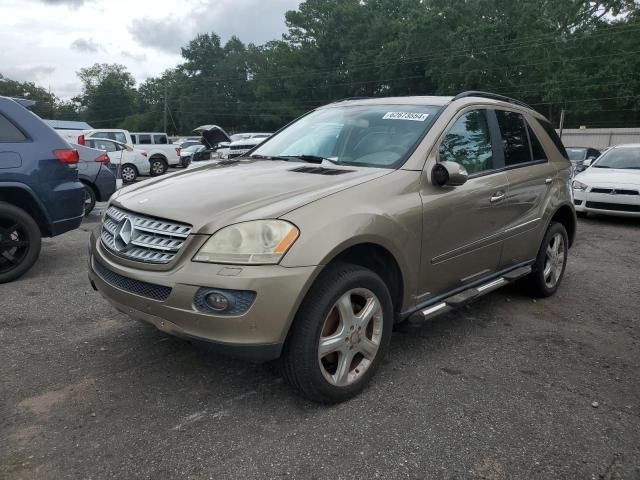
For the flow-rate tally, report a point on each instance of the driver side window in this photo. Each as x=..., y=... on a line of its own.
x=468, y=143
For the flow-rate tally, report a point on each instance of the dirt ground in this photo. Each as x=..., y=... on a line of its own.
x=508, y=388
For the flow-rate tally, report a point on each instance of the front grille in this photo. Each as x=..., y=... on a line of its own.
x=618, y=207
x=143, y=289
x=614, y=191
x=140, y=238
x=241, y=147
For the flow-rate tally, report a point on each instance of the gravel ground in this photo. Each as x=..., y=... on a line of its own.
x=508, y=388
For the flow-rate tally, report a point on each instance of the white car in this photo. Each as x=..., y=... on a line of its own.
x=161, y=153
x=130, y=161
x=246, y=143
x=611, y=184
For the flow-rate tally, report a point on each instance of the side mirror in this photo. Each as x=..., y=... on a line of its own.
x=448, y=173
x=588, y=162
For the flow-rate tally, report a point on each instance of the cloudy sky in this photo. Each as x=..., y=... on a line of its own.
x=47, y=41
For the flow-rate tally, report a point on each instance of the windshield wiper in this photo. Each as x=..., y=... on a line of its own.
x=269, y=157
x=312, y=158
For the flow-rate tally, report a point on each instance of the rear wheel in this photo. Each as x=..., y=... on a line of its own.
x=20, y=242
x=129, y=173
x=548, y=269
x=158, y=166
x=340, y=334
x=89, y=199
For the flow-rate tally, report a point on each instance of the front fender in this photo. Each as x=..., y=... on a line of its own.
x=386, y=212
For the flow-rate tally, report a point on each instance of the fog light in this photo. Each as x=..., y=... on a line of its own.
x=217, y=301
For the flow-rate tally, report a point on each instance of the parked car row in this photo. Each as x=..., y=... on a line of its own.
x=309, y=245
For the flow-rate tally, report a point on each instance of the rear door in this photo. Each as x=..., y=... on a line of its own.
x=531, y=176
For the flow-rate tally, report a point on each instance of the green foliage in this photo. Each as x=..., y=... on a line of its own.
x=45, y=101
x=577, y=55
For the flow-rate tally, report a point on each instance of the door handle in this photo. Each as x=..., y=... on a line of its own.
x=547, y=181
x=496, y=197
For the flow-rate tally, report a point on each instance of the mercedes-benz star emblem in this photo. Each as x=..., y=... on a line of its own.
x=123, y=236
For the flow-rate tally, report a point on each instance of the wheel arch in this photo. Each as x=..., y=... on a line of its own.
x=378, y=259
x=565, y=215
x=23, y=197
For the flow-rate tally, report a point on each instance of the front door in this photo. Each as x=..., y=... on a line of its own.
x=463, y=226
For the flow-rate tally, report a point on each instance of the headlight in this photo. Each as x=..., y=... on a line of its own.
x=579, y=185
x=259, y=242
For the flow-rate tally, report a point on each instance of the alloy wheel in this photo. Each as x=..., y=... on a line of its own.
x=554, y=261
x=350, y=337
x=128, y=174
x=157, y=168
x=14, y=245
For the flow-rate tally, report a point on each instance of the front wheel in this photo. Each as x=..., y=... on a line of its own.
x=548, y=269
x=20, y=242
x=340, y=334
x=129, y=173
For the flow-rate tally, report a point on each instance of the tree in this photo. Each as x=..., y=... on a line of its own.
x=108, y=93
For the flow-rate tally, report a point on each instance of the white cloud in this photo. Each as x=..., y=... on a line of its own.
x=253, y=21
x=86, y=45
x=139, y=34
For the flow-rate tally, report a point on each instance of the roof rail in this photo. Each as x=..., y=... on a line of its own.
x=25, y=102
x=493, y=96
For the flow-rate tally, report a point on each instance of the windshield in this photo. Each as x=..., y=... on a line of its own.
x=372, y=135
x=577, y=153
x=628, y=158
x=193, y=148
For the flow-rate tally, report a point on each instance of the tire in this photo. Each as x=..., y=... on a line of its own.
x=20, y=242
x=129, y=173
x=158, y=166
x=540, y=283
x=320, y=378
x=185, y=161
x=89, y=199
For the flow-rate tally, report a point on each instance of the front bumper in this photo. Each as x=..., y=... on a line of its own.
x=622, y=205
x=258, y=333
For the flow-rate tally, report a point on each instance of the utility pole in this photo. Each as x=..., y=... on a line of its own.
x=165, y=107
x=561, y=122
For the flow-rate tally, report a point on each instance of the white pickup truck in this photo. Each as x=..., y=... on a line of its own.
x=160, y=152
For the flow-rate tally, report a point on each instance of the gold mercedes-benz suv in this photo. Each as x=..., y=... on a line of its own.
x=353, y=218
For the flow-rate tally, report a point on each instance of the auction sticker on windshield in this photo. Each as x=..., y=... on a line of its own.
x=416, y=117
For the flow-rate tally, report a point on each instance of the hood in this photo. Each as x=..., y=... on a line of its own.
x=609, y=177
x=213, y=136
x=214, y=196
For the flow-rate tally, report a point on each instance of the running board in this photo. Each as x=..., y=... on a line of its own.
x=470, y=294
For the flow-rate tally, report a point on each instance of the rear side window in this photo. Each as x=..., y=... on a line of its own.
x=160, y=139
x=514, y=138
x=9, y=133
x=134, y=138
x=144, y=139
x=468, y=143
x=554, y=137
x=536, y=147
